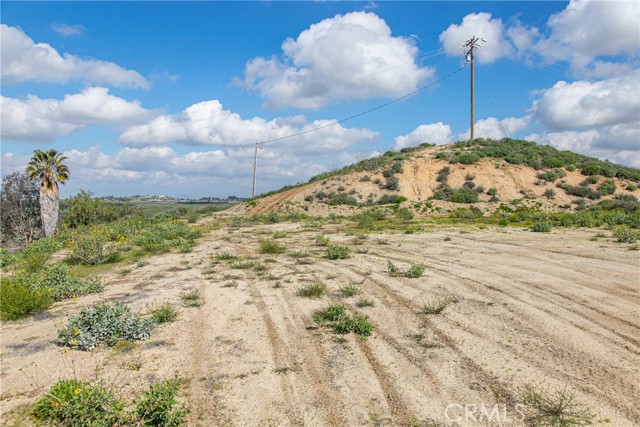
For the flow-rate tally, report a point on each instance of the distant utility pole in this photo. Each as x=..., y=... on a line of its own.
x=472, y=44
x=255, y=162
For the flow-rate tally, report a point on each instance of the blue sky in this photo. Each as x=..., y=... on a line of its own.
x=170, y=97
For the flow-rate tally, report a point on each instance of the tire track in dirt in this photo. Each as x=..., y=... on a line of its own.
x=312, y=356
x=446, y=266
x=565, y=357
x=468, y=366
x=319, y=387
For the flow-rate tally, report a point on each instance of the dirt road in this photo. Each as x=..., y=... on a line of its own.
x=555, y=310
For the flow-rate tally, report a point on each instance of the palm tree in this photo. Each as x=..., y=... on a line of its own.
x=47, y=167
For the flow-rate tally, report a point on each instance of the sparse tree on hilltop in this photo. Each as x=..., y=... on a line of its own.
x=48, y=168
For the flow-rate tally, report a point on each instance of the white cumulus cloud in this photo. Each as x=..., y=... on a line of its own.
x=592, y=142
x=586, y=29
x=35, y=119
x=24, y=60
x=479, y=25
x=351, y=56
x=434, y=133
x=584, y=104
x=208, y=123
x=493, y=128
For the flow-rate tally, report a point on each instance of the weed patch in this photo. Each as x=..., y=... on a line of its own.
x=437, y=306
x=312, y=290
x=338, y=252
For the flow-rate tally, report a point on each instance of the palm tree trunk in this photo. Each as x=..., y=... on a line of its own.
x=49, y=210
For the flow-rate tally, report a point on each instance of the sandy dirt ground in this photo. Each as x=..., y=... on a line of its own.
x=556, y=310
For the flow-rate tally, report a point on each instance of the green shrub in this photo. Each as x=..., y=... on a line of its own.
x=632, y=187
x=470, y=213
x=322, y=240
x=93, y=247
x=84, y=210
x=104, y=324
x=342, y=199
x=270, y=247
x=549, y=193
x=59, y=284
x=625, y=235
x=542, y=227
x=443, y=175
x=404, y=214
x=552, y=175
x=415, y=271
x=18, y=300
x=279, y=234
x=391, y=199
x=466, y=158
x=593, y=179
x=580, y=191
x=607, y=187
x=338, y=252
x=392, y=184
x=72, y=403
x=360, y=325
x=158, y=406
x=463, y=195
x=47, y=245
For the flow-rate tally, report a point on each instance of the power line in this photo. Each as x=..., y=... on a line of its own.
x=386, y=104
x=367, y=111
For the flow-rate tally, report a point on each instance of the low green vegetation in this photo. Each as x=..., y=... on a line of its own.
x=336, y=317
x=349, y=290
x=73, y=403
x=528, y=153
x=338, y=252
x=312, y=290
x=438, y=305
x=552, y=407
x=28, y=293
x=542, y=227
x=415, y=271
x=191, y=298
x=164, y=313
x=270, y=247
x=104, y=324
x=18, y=300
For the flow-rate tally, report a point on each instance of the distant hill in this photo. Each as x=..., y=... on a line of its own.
x=436, y=179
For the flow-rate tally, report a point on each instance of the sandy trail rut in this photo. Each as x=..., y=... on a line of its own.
x=557, y=310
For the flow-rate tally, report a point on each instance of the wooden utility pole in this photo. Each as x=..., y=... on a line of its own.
x=472, y=44
x=255, y=162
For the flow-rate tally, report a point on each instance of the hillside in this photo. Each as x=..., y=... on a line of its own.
x=437, y=179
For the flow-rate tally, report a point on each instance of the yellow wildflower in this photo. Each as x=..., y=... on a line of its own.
x=73, y=341
x=76, y=331
x=39, y=293
x=54, y=404
x=78, y=391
